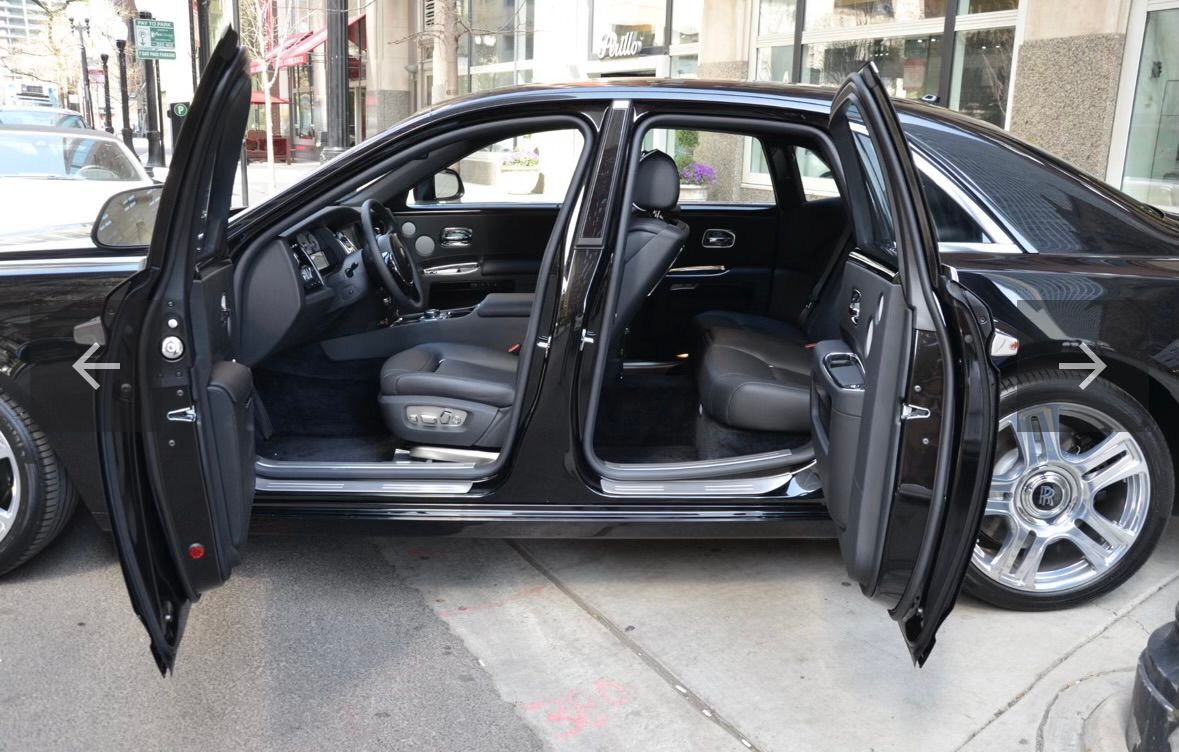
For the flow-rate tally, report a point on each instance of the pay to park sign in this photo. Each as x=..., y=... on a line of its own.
x=154, y=40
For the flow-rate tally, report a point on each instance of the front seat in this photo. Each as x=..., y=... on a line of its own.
x=653, y=239
x=462, y=395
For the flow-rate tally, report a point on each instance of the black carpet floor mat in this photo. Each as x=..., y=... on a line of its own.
x=329, y=448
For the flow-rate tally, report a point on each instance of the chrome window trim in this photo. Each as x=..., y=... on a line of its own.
x=989, y=226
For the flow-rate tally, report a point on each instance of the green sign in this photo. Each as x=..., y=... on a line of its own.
x=155, y=40
x=180, y=109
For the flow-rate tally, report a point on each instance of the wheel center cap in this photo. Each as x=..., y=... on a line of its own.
x=1045, y=495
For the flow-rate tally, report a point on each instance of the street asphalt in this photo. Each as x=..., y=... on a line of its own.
x=438, y=644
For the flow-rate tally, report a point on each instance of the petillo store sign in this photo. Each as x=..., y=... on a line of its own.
x=612, y=45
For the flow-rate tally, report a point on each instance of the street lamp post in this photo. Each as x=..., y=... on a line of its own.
x=124, y=96
x=155, y=140
x=85, y=101
x=106, y=91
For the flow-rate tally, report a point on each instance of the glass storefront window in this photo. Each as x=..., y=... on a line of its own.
x=685, y=21
x=684, y=66
x=909, y=66
x=627, y=27
x=776, y=16
x=1151, y=172
x=982, y=74
x=840, y=14
x=493, y=36
x=986, y=6
x=775, y=64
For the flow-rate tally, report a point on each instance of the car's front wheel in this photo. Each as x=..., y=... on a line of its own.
x=36, y=499
x=1082, y=488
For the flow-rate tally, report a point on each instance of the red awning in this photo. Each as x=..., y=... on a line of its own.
x=257, y=97
x=297, y=48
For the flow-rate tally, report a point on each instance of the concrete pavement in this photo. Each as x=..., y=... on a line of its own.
x=390, y=643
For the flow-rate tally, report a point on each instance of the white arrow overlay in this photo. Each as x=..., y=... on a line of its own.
x=1097, y=364
x=82, y=367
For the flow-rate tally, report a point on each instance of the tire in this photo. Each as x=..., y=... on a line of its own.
x=44, y=499
x=1023, y=494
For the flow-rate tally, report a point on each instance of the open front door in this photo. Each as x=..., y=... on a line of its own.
x=175, y=418
x=903, y=403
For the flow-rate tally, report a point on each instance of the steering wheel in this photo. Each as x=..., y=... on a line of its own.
x=387, y=253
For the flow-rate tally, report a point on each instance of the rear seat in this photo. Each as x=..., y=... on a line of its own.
x=755, y=371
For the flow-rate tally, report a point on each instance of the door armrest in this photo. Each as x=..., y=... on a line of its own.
x=505, y=304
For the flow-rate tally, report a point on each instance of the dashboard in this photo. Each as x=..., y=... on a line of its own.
x=297, y=284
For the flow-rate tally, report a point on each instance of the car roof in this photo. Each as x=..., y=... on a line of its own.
x=811, y=97
x=37, y=108
x=59, y=130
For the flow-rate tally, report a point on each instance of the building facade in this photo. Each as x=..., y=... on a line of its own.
x=1095, y=82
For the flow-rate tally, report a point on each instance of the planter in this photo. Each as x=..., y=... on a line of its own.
x=519, y=182
x=693, y=192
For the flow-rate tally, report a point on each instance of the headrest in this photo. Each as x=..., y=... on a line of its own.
x=657, y=184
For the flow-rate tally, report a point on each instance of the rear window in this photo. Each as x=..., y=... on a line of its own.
x=1045, y=208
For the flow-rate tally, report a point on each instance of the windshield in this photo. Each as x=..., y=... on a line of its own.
x=41, y=117
x=56, y=157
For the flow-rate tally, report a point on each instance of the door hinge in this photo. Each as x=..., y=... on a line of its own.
x=587, y=338
x=913, y=412
x=543, y=341
x=182, y=415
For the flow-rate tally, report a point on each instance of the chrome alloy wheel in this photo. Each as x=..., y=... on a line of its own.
x=1069, y=496
x=9, y=487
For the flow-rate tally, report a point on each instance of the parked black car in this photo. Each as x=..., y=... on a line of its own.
x=378, y=347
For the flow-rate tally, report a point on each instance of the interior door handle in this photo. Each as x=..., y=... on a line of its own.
x=718, y=238
x=456, y=237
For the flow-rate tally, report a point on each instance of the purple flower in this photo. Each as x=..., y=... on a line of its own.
x=697, y=173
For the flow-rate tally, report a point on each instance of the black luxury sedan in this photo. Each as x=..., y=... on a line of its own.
x=650, y=309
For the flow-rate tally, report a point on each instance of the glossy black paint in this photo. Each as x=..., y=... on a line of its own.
x=1124, y=305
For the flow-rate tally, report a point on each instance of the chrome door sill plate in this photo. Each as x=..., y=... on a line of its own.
x=757, y=486
x=365, y=487
x=452, y=454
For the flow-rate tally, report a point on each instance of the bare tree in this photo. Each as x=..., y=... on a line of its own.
x=268, y=34
x=51, y=57
x=442, y=36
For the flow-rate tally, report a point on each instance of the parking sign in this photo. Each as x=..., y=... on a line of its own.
x=155, y=40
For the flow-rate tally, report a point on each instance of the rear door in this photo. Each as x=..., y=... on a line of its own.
x=175, y=416
x=904, y=401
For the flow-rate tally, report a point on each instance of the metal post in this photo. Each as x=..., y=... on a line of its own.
x=106, y=91
x=124, y=96
x=155, y=143
x=336, y=70
x=84, y=96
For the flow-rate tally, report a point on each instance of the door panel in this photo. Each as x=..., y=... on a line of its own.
x=470, y=251
x=175, y=415
x=726, y=265
x=906, y=464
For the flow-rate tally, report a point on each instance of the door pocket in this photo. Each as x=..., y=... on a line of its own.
x=837, y=403
x=230, y=400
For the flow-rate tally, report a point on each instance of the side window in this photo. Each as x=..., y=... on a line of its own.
x=817, y=179
x=533, y=168
x=709, y=163
x=883, y=233
x=952, y=223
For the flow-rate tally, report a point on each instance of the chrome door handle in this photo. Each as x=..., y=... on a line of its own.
x=718, y=238
x=451, y=270
x=456, y=237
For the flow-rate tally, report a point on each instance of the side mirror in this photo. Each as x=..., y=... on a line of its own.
x=127, y=218
x=444, y=185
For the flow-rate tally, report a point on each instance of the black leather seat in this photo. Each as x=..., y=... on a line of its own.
x=462, y=395
x=753, y=380
x=755, y=371
x=653, y=239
